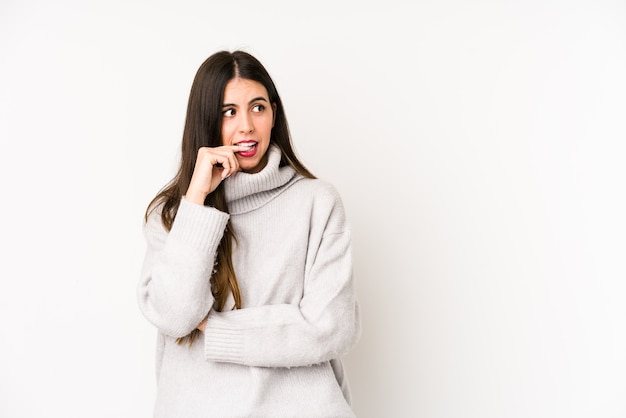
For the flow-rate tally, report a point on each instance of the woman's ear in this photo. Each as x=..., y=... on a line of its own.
x=273, y=114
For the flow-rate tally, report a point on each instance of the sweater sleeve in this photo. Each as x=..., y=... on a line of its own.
x=324, y=326
x=174, y=291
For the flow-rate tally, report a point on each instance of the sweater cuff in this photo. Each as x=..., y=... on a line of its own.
x=221, y=343
x=198, y=226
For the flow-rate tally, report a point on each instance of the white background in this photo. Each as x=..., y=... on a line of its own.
x=478, y=146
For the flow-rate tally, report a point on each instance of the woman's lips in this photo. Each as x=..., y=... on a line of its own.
x=251, y=151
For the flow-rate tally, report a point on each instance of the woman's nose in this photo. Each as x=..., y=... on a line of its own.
x=245, y=123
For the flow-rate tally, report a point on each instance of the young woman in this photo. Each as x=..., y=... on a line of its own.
x=248, y=271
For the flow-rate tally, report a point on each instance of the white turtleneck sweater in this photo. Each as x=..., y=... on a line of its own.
x=278, y=356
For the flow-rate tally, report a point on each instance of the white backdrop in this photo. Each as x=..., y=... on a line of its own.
x=478, y=146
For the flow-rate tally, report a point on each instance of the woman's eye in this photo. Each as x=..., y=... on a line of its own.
x=229, y=112
x=258, y=108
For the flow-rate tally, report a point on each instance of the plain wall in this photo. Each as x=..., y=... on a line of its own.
x=478, y=147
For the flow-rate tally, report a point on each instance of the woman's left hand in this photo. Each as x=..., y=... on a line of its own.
x=201, y=325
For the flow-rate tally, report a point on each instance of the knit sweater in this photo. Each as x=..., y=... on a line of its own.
x=280, y=355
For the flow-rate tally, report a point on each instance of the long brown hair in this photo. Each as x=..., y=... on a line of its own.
x=203, y=127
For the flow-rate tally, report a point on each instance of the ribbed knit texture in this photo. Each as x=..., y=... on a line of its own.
x=278, y=356
x=246, y=192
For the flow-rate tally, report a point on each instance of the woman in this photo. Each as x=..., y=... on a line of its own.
x=248, y=272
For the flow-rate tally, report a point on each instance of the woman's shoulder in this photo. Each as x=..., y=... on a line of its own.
x=154, y=213
x=320, y=188
x=320, y=195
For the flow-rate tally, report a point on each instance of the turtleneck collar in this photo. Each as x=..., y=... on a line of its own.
x=246, y=192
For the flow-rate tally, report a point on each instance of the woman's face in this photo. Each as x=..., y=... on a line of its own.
x=247, y=119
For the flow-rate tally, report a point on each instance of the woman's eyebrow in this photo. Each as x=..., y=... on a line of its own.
x=256, y=99
x=260, y=98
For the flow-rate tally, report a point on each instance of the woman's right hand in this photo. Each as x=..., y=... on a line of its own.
x=213, y=165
